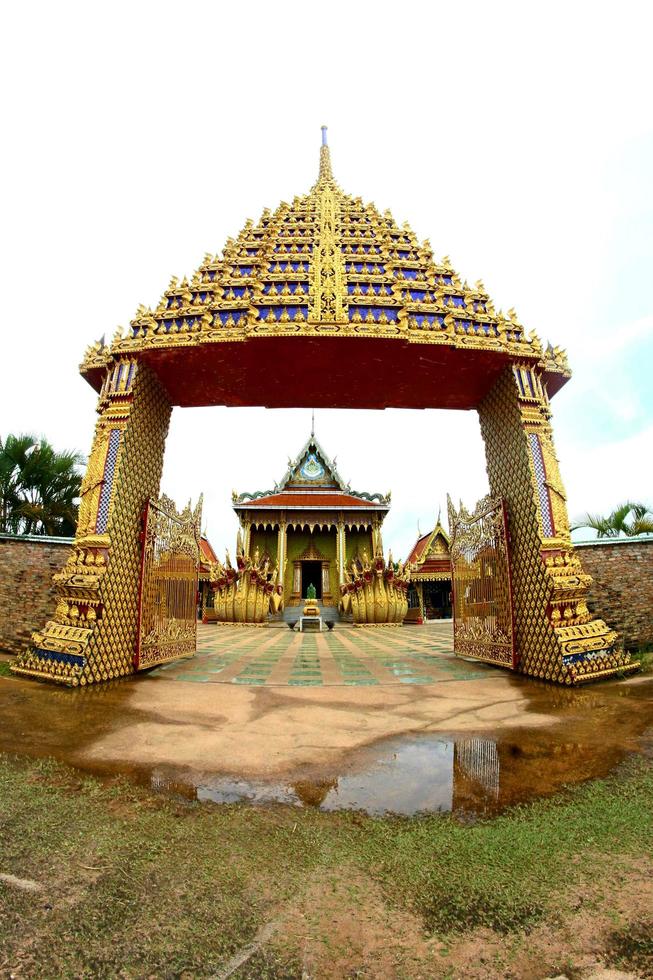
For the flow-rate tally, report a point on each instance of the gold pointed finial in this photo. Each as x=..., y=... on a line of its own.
x=325, y=175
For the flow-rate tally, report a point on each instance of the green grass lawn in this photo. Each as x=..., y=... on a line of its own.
x=139, y=885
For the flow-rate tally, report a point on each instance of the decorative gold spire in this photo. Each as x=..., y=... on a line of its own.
x=325, y=176
x=327, y=260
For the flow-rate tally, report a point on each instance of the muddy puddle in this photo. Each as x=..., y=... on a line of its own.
x=465, y=772
x=465, y=775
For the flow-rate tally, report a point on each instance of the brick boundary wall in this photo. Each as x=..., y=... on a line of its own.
x=27, y=597
x=622, y=590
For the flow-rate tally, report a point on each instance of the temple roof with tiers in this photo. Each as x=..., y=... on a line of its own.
x=327, y=264
x=311, y=481
x=430, y=558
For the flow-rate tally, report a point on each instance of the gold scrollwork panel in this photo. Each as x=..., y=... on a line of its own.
x=167, y=619
x=483, y=617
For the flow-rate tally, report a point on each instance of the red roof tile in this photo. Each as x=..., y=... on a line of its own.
x=435, y=565
x=418, y=547
x=312, y=499
x=207, y=554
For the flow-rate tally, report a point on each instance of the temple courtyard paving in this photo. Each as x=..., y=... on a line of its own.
x=349, y=657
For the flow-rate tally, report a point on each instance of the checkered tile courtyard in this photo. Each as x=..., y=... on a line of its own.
x=344, y=657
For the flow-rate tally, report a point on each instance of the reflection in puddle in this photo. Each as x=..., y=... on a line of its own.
x=409, y=777
x=428, y=774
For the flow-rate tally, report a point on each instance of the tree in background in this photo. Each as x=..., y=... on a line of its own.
x=630, y=519
x=39, y=487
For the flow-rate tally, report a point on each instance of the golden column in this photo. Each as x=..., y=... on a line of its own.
x=248, y=534
x=419, y=586
x=556, y=636
x=282, y=549
x=92, y=636
x=341, y=550
x=374, y=527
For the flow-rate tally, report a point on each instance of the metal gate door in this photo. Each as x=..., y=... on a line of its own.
x=167, y=613
x=482, y=596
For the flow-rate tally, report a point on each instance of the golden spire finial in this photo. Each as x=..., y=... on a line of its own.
x=325, y=175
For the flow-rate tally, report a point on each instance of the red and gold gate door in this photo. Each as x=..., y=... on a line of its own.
x=482, y=598
x=167, y=615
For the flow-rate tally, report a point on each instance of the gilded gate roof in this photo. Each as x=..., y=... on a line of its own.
x=327, y=263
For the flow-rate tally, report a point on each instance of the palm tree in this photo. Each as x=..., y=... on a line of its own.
x=39, y=487
x=14, y=454
x=631, y=519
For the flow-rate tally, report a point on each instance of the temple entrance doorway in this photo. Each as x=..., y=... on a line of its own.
x=312, y=575
x=437, y=600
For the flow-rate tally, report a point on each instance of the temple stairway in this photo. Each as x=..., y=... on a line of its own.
x=291, y=614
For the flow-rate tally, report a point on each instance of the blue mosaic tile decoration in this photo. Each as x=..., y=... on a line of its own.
x=107, y=482
x=542, y=491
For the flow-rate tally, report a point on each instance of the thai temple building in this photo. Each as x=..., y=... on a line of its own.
x=430, y=593
x=310, y=540
x=311, y=526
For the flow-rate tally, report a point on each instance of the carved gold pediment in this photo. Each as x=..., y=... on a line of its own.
x=312, y=553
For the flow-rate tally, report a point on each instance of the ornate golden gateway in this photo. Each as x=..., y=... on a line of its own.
x=167, y=612
x=482, y=595
x=324, y=302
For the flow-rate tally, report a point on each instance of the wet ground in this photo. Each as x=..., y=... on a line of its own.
x=386, y=721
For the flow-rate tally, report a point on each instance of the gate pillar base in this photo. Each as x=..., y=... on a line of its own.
x=557, y=638
x=92, y=635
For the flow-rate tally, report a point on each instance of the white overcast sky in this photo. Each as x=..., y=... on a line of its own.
x=517, y=137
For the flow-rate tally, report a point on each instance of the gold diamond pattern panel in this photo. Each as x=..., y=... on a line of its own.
x=92, y=635
x=556, y=637
x=113, y=644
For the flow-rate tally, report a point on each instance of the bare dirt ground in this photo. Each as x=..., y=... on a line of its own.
x=104, y=879
x=343, y=927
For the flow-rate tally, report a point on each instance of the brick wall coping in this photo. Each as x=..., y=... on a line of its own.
x=599, y=542
x=36, y=538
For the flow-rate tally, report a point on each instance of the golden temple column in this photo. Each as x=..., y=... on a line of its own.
x=341, y=552
x=282, y=547
x=557, y=638
x=420, y=598
x=248, y=535
x=92, y=636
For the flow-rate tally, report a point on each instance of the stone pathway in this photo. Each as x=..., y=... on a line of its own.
x=343, y=657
